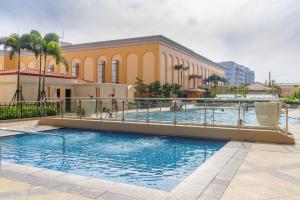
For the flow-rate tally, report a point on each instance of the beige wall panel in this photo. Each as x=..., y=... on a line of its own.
x=148, y=67
x=176, y=75
x=1, y=62
x=32, y=65
x=170, y=69
x=163, y=67
x=132, y=68
x=88, y=69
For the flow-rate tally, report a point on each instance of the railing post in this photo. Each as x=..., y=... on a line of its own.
x=160, y=102
x=79, y=109
x=123, y=111
x=101, y=110
x=43, y=106
x=61, y=108
x=21, y=106
x=239, y=115
x=148, y=107
x=213, y=116
x=137, y=110
x=115, y=108
x=175, y=115
x=286, y=117
x=205, y=119
x=185, y=112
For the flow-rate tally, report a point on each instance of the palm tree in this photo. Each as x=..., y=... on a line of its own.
x=194, y=77
x=178, y=68
x=50, y=47
x=36, y=48
x=15, y=44
x=214, y=79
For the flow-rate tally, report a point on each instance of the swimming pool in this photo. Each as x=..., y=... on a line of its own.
x=227, y=116
x=155, y=162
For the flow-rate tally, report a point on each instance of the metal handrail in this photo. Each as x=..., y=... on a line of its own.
x=206, y=106
x=186, y=99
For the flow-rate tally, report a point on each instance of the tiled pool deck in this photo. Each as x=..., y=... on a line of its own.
x=238, y=171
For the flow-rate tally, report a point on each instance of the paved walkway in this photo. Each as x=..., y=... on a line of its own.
x=268, y=172
x=15, y=190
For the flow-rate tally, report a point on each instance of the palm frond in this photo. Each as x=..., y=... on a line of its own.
x=25, y=41
x=36, y=45
x=51, y=37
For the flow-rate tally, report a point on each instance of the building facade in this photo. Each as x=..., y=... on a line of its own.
x=122, y=61
x=236, y=74
x=287, y=89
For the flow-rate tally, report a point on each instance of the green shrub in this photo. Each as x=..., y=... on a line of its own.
x=26, y=111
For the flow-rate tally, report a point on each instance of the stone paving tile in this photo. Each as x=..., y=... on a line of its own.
x=71, y=178
x=268, y=172
x=47, y=174
x=115, y=196
x=93, y=193
x=215, y=189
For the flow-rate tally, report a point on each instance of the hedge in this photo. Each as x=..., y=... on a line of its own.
x=26, y=111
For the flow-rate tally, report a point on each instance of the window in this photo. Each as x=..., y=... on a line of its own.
x=51, y=68
x=101, y=72
x=115, y=66
x=75, y=69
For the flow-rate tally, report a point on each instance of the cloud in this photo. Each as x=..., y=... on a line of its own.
x=263, y=35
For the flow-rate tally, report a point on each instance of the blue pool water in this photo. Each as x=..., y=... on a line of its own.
x=227, y=116
x=149, y=161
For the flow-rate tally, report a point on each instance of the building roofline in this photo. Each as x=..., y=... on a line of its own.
x=154, y=39
x=34, y=72
x=297, y=84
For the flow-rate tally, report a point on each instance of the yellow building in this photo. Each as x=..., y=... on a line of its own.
x=121, y=61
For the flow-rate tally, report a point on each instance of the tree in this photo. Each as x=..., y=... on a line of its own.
x=177, y=90
x=36, y=48
x=194, y=77
x=155, y=89
x=296, y=94
x=167, y=89
x=15, y=44
x=275, y=88
x=140, y=86
x=179, y=69
x=50, y=47
x=243, y=89
x=215, y=80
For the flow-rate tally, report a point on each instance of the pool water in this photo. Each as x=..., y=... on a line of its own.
x=155, y=162
x=227, y=116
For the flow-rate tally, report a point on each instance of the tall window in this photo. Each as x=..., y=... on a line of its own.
x=75, y=69
x=115, y=69
x=101, y=72
x=51, y=68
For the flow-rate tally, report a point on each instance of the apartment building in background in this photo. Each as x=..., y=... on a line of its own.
x=237, y=74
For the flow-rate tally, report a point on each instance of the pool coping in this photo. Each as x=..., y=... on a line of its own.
x=209, y=180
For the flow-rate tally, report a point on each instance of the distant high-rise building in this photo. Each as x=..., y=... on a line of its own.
x=236, y=74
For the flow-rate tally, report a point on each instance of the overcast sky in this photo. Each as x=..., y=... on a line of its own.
x=261, y=34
